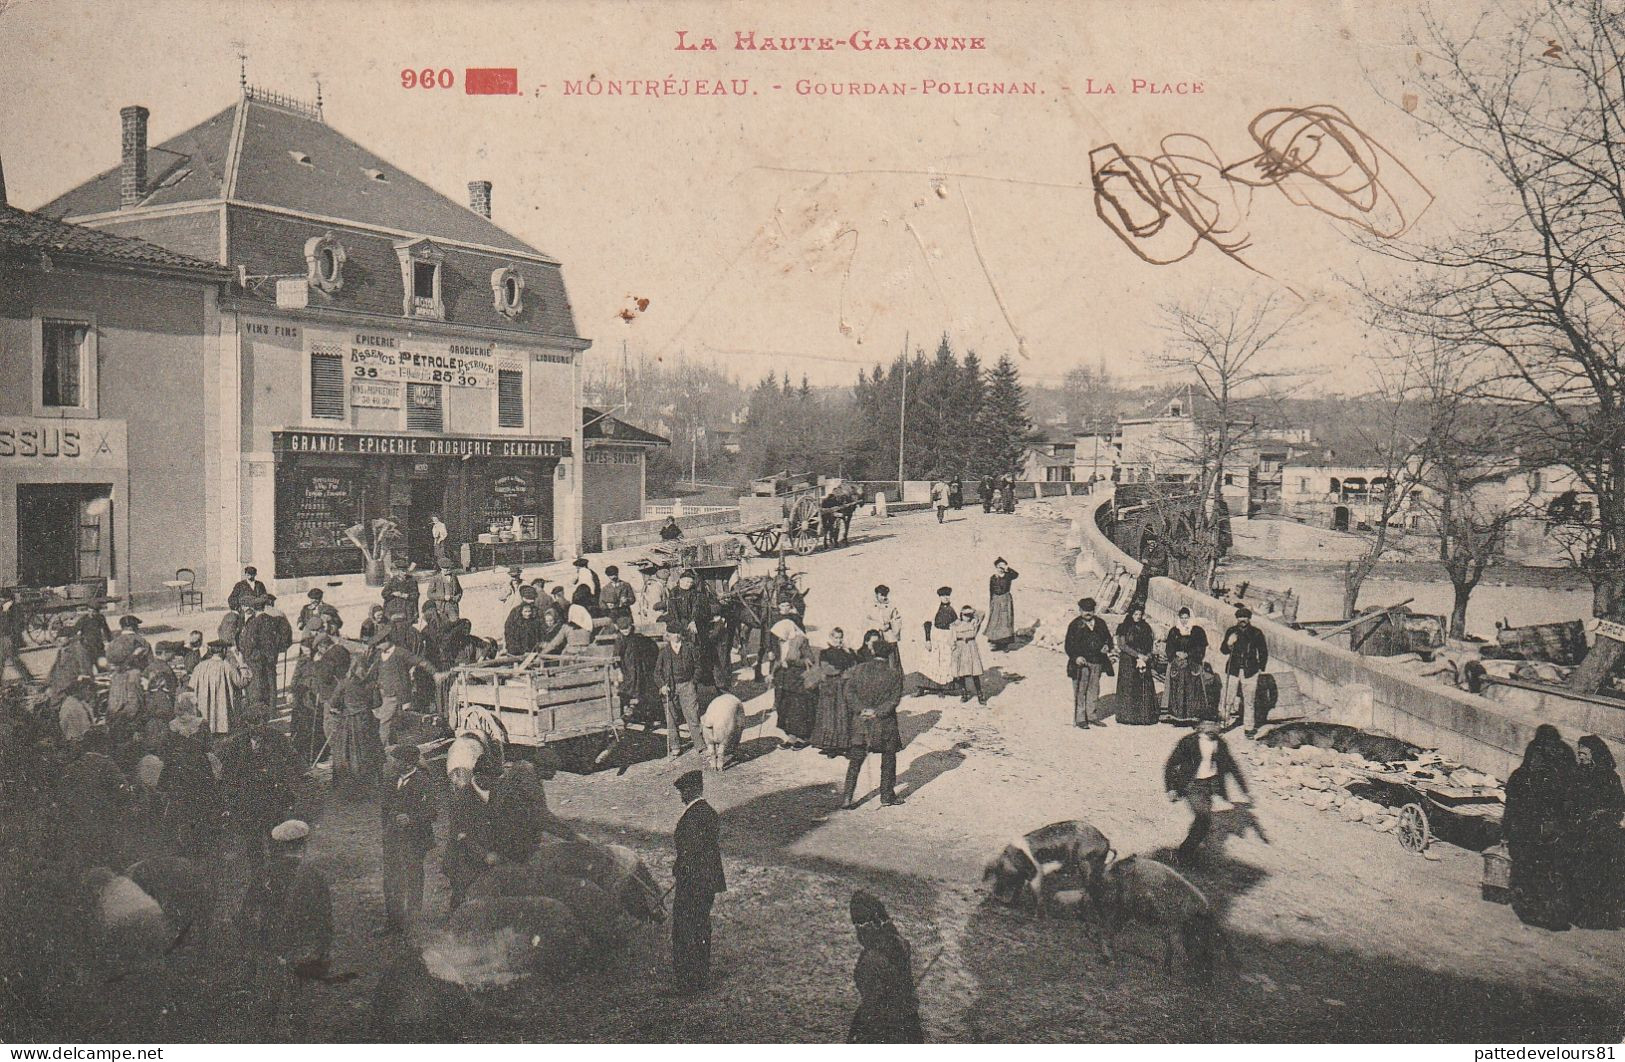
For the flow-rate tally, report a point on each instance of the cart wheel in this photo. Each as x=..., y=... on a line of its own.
x=805, y=542
x=1413, y=828
x=765, y=543
x=38, y=629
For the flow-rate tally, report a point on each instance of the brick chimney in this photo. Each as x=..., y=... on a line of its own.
x=132, y=174
x=479, y=197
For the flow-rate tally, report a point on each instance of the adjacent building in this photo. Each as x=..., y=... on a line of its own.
x=614, y=472
x=109, y=405
x=383, y=352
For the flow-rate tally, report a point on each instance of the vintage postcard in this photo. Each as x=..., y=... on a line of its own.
x=994, y=522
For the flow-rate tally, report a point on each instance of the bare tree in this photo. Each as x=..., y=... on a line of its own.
x=1227, y=351
x=1534, y=94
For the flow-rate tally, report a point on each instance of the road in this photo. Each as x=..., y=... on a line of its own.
x=1339, y=935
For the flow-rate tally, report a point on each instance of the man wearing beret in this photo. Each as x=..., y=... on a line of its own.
x=698, y=874
x=1247, y=654
x=408, y=814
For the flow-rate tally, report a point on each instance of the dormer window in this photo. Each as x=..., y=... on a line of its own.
x=301, y=158
x=508, y=291
x=324, y=262
x=422, y=279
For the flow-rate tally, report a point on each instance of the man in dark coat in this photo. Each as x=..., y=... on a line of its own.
x=247, y=588
x=678, y=670
x=1247, y=655
x=402, y=588
x=407, y=814
x=1195, y=773
x=637, y=654
x=985, y=492
x=265, y=636
x=690, y=605
x=468, y=848
x=669, y=531
x=1088, y=656
x=873, y=690
x=318, y=613
x=698, y=878
x=888, y=1009
x=94, y=631
x=522, y=633
x=258, y=773
x=617, y=597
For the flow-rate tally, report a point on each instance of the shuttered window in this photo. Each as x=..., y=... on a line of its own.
x=326, y=385
x=510, y=398
x=423, y=408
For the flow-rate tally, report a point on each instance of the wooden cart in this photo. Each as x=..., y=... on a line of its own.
x=566, y=701
x=1423, y=801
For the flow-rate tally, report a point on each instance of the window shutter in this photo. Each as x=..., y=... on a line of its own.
x=326, y=384
x=423, y=409
x=510, y=398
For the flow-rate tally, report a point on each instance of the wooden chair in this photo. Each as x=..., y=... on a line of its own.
x=185, y=584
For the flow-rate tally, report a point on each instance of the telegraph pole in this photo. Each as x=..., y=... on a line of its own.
x=902, y=420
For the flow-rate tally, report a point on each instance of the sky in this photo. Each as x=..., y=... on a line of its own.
x=774, y=230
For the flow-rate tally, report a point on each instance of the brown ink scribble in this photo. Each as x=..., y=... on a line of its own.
x=1164, y=208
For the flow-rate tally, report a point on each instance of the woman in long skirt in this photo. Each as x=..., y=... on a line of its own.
x=1001, y=606
x=1535, y=825
x=832, y=731
x=792, y=701
x=1186, y=648
x=1136, y=684
x=967, y=660
x=938, y=665
x=1597, y=873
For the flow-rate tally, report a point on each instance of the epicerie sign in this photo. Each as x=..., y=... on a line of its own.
x=382, y=358
x=63, y=443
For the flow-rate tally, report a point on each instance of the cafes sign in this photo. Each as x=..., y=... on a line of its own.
x=49, y=442
x=332, y=442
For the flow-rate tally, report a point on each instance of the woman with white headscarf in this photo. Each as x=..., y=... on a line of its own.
x=795, y=704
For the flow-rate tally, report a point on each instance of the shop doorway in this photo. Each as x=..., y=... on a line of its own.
x=427, y=499
x=64, y=533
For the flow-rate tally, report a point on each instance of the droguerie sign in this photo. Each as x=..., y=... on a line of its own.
x=321, y=442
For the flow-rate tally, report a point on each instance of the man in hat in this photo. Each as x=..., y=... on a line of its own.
x=287, y=919
x=248, y=587
x=618, y=597
x=446, y=592
x=516, y=582
x=637, y=655
x=408, y=814
x=1089, y=650
x=888, y=1009
x=585, y=576
x=265, y=636
x=191, y=654
x=259, y=775
x=317, y=612
x=402, y=587
x=396, y=689
x=873, y=690
x=1195, y=773
x=698, y=878
x=1247, y=654
x=678, y=672
x=93, y=631
x=217, y=684
x=654, y=599
x=691, y=608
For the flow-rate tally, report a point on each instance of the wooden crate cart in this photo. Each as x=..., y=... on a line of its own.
x=567, y=703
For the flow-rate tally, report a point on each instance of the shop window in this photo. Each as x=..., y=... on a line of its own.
x=424, y=411
x=66, y=367
x=508, y=291
x=324, y=262
x=326, y=385
x=510, y=398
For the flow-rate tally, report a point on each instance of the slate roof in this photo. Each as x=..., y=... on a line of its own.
x=28, y=234
x=192, y=167
x=594, y=422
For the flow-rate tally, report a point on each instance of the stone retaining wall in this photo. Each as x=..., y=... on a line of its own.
x=694, y=525
x=1367, y=692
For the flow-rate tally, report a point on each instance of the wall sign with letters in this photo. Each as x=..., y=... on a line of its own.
x=46, y=442
x=333, y=442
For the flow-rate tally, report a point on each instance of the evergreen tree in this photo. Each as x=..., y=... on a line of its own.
x=1003, y=425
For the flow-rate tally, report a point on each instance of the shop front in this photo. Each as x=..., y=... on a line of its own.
x=495, y=494
x=63, y=488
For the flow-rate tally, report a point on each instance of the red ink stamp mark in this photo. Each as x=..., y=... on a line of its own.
x=491, y=81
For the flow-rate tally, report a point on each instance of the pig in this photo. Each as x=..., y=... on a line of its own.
x=1154, y=893
x=131, y=929
x=722, y=723
x=596, y=912
x=497, y=941
x=614, y=868
x=1038, y=863
x=182, y=891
